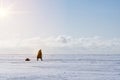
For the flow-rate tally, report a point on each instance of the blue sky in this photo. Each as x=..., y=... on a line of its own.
x=61, y=19
x=82, y=17
x=95, y=17
x=79, y=17
x=66, y=17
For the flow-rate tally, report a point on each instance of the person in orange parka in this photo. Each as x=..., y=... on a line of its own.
x=39, y=55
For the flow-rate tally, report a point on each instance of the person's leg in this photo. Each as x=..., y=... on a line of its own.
x=41, y=59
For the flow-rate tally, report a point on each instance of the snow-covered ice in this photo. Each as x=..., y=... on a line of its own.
x=60, y=67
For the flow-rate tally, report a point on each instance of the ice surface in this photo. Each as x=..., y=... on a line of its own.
x=60, y=67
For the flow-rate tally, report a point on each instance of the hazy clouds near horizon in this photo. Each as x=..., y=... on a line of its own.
x=61, y=45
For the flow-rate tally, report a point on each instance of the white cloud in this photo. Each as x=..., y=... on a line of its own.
x=63, y=44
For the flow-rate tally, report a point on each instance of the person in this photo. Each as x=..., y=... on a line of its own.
x=39, y=55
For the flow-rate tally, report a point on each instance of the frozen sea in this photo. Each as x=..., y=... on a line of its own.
x=60, y=67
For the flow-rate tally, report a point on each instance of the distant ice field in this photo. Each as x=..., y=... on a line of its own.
x=60, y=67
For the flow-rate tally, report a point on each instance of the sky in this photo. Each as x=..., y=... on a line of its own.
x=60, y=26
